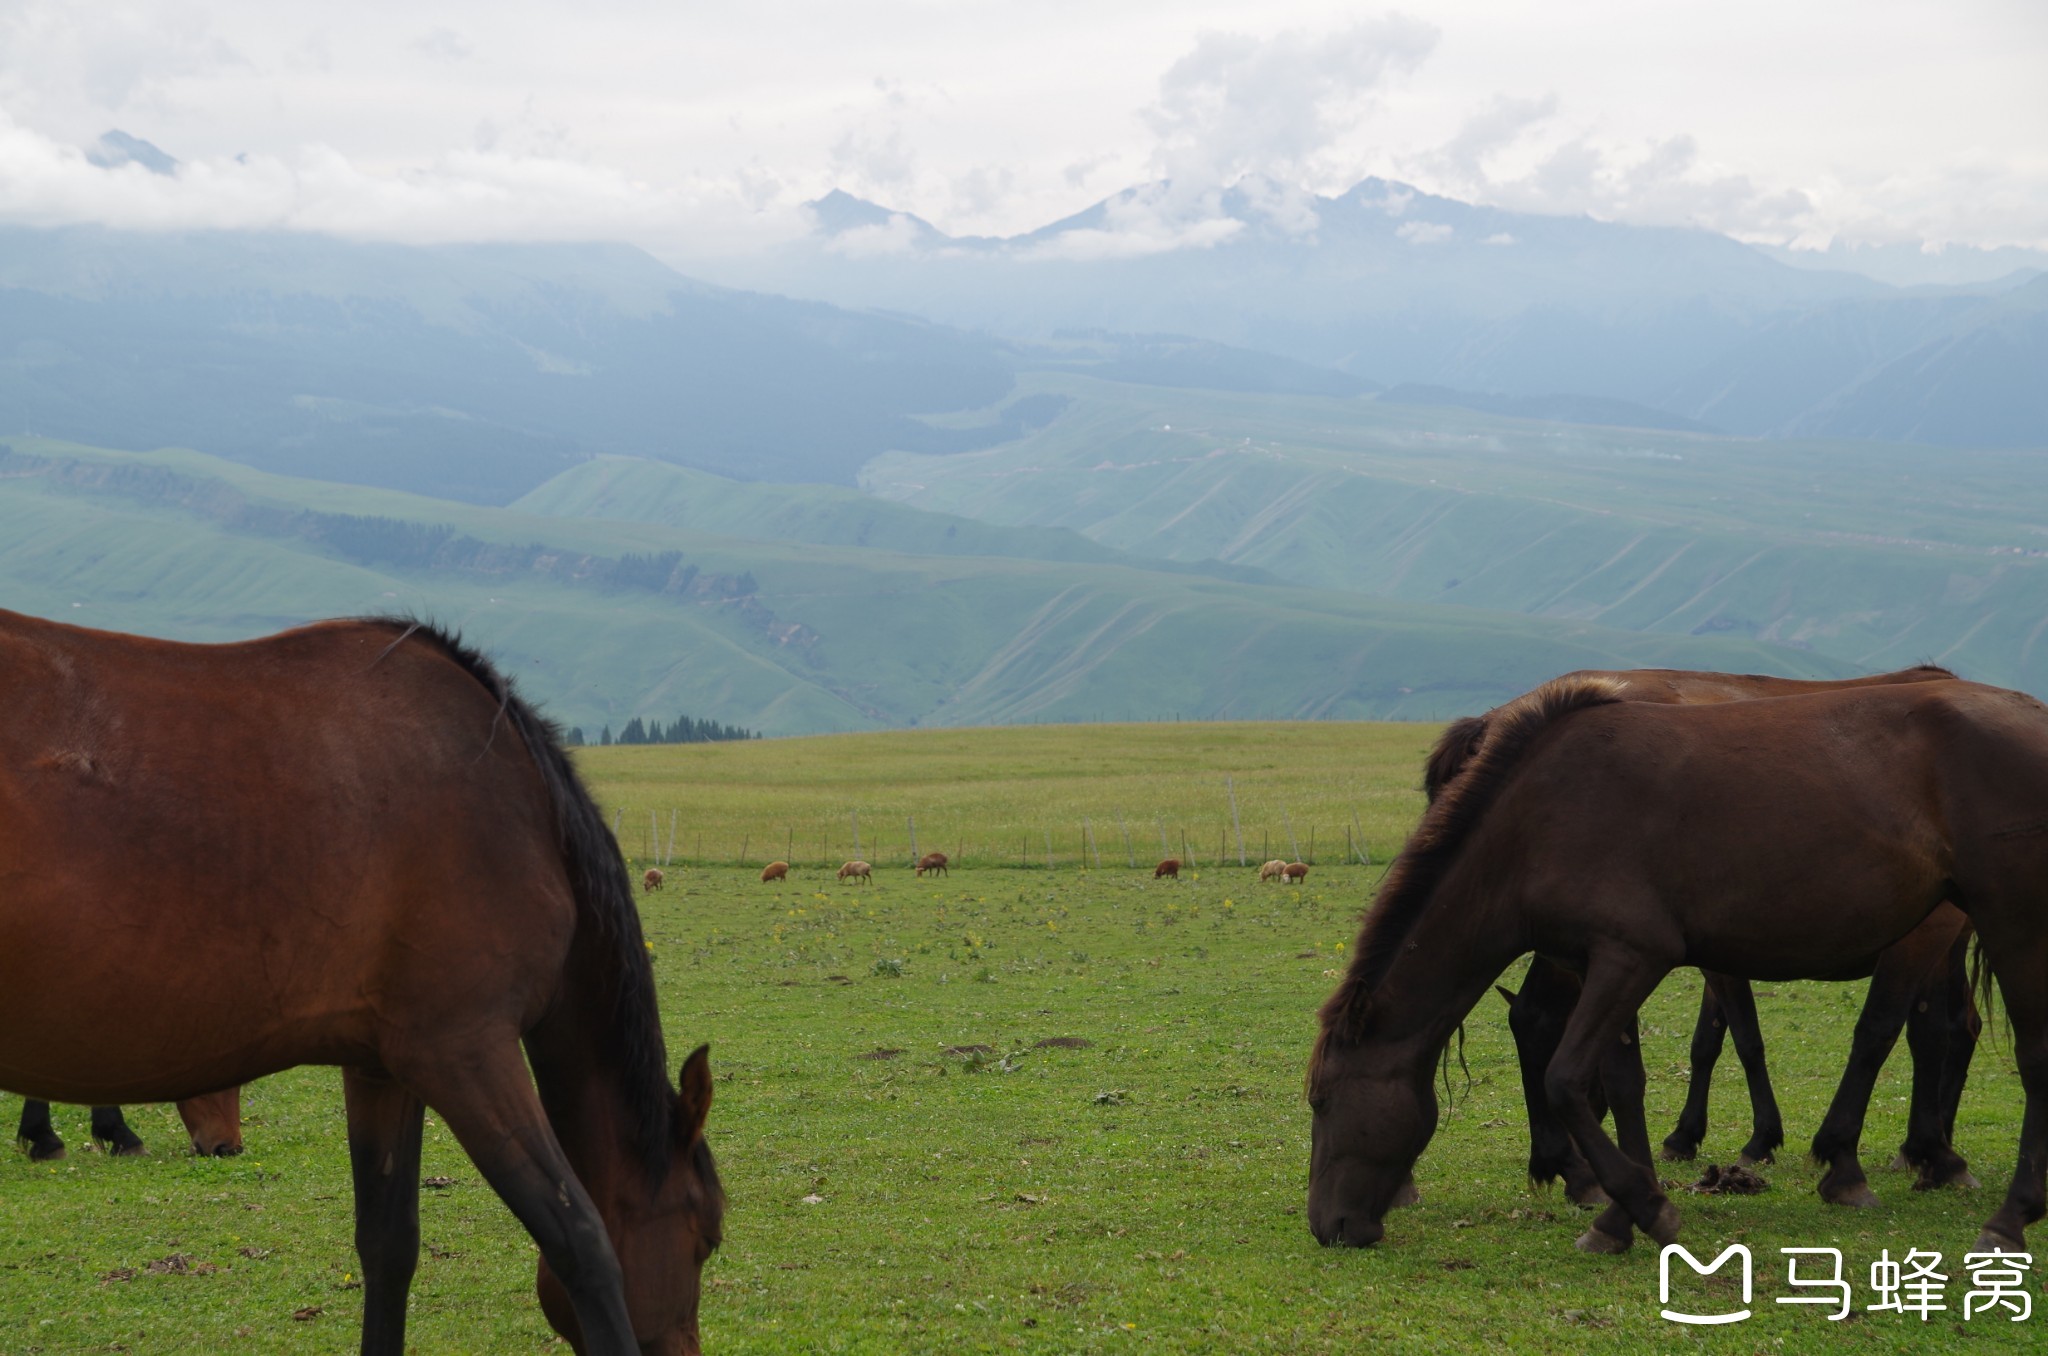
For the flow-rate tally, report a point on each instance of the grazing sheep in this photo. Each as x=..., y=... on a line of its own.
x=932, y=861
x=652, y=880
x=1169, y=867
x=858, y=870
x=1294, y=872
x=1272, y=870
x=774, y=871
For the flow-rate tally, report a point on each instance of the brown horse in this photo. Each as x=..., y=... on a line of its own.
x=213, y=1124
x=857, y=870
x=933, y=861
x=1918, y=985
x=774, y=871
x=1169, y=867
x=353, y=844
x=1294, y=872
x=652, y=880
x=1773, y=839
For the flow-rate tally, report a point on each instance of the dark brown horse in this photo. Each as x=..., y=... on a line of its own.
x=1772, y=839
x=213, y=1124
x=1919, y=986
x=353, y=844
x=1169, y=867
x=933, y=861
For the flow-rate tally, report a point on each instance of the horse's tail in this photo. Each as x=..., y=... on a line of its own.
x=1454, y=749
x=603, y=892
x=1983, y=987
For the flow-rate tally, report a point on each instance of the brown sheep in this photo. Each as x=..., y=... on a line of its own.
x=774, y=871
x=652, y=880
x=1295, y=872
x=857, y=870
x=1169, y=867
x=1272, y=870
x=932, y=861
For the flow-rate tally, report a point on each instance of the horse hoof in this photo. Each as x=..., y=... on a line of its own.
x=1593, y=1240
x=1857, y=1197
x=1754, y=1160
x=128, y=1151
x=1993, y=1241
x=1664, y=1228
x=1406, y=1194
x=1966, y=1179
x=1589, y=1198
x=38, y=1153
x=1677, y=1153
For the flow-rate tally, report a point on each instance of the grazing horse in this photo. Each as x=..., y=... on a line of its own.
x=363, y=848
x=652, y=880
x=1169, y=867
x=774, y=871
x=213, y=1123
x=1777, y=838
x=1272, y=870
x=933, y=861
x=857, y=870
x=1919, y=985
x=1294, y=872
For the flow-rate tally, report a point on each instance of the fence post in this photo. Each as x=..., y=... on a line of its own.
x=670, y=855
x=1048, y=849
x=745, y=838
x=1088, y=836
x=1231, y=786
x=912, y=821
x=1311, y=858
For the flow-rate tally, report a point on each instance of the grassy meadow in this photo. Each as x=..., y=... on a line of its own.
x=913, y=1167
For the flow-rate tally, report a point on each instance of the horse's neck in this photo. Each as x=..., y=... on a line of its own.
x=1457, y=947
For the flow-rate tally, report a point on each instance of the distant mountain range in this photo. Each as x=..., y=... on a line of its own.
x=1400, y=287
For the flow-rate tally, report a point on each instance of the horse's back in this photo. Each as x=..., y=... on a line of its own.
x=259, y=847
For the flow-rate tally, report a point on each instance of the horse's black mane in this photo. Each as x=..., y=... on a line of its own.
x=597, y=875
x=1433, y=847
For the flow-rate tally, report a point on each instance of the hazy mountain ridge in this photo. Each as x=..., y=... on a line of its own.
x=1402, y=287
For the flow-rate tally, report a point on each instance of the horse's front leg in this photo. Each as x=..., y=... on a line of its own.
x=110, y=1128
x=384, y=1128
x=1766, y=1125
x=1616, y=985
x=36, y=1134
x=1708, y=1034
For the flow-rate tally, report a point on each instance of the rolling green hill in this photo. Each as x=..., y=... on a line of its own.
x=606, y=619
x=1876, y=555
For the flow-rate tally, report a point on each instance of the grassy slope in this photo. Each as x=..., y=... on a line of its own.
x=1877, y=555
x=978, y=1204
x=844, y=637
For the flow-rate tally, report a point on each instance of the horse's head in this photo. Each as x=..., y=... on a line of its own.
x=1374, y=1112
x=214, y=1123
x=663, y=1242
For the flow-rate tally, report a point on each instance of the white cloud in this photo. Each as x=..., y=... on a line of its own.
x=897, y=235
x=1424, y=232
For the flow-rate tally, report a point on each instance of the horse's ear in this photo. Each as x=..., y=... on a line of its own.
x=1509, y=994
x=693, y=1102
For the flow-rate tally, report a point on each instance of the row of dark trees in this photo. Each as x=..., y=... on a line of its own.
x=681, y=730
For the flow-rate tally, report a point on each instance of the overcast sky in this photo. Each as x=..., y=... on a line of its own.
x=698, y=128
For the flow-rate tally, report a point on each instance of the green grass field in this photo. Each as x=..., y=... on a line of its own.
x=910, y=1169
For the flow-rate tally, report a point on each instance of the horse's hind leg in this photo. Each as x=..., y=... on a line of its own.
x=1893, y=987
x=110, y=1129
x=1537, y=1018
x=1930, y=1031
x=1707, y=1035
x=36, y=1134
x=384, y=1127
x=1766, y=1125
x=494, y=1111
x=2023, y=984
